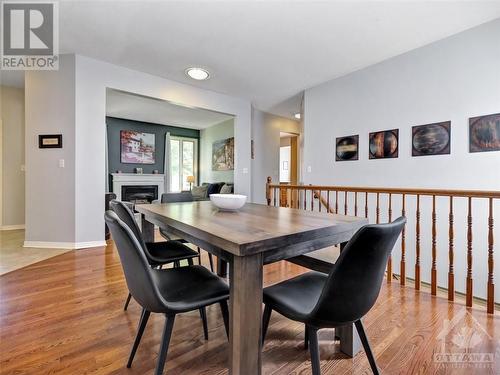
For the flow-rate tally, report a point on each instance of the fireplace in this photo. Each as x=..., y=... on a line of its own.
x=139, y=194
x=138, y=187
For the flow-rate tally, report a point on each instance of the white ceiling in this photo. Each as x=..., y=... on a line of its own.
x=140, y=108
x=266, y=52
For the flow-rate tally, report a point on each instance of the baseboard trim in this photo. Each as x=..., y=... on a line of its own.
x=12, y=227
x=64, y=245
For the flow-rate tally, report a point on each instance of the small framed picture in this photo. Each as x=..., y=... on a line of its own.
x=431, y=139
x=484, y=133
x=346, y=148
x=384, y=144
x=50, y=141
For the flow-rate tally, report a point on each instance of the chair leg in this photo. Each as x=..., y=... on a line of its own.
x=177, y=264
x=125, y=307
x=225, y=316
x=366, y=346
x=211, y=259
x=190, y=261
x=203, y=314
x=199, y=255
x=265, y=321
x=306, y=338
x=312, y=334
x=165, y=341
x=140, y=330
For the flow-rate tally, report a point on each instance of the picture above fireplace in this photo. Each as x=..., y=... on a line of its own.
x=137, y=147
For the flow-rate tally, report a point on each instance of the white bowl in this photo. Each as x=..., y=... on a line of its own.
x=228, y=202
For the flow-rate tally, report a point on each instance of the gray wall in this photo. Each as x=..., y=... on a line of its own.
x=50, y=190
x=12, y=155
x=453, y=79
x=208, y=136
x=115, y=125
x=266, y=130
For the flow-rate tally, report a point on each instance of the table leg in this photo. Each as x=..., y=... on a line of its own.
x=148, y=230
x=245, y=314
x=221, y=267
x=350, y=343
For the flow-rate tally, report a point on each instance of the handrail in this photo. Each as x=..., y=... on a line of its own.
x=412, y=191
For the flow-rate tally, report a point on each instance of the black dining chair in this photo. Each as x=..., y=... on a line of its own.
x=157, y=253
x=184, y=196
x=343, y=296
x=166, y=291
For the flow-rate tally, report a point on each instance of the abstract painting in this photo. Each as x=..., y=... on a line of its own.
x=137, y=147
x=384, y=144
x=484, y=133
x=346, y=148
x=431, y=139
x=223, y=155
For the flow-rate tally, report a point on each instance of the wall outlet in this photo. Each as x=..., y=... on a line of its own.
x=309, y=169
x=61, y=163
x=245, y=170
x=23, y=168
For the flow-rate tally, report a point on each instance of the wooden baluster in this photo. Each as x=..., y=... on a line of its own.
x=377, y=210
x=305, y=199
x=468, y=292
x=319, y=199
x=417, y=246
x=366, y=205
x=403, y=245
x=312, y=200
x=491, y=286
x=434, y=250
x=451, y=276
x=355, y=203
x=336, y=201
x=389, y=261
x=291, y=197
x=328, y=201
x=268, y=190
x=275, y=196
x=345, y=202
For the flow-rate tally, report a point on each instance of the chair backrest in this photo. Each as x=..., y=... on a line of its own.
x=127, y=216
x=138, y=274
x=354, y=283
x=184, y=196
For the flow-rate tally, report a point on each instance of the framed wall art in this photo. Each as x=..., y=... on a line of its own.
x=431, y=139
x=384, y=144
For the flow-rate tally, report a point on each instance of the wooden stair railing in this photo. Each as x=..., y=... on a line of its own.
x=304, y=197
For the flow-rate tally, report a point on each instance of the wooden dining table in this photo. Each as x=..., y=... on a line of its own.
x=247, y=239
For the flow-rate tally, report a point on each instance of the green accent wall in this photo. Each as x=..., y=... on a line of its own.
x=115, y=125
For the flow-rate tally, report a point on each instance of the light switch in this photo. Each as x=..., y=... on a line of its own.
x=309, y=169
x=23, y=168
x=61, y=163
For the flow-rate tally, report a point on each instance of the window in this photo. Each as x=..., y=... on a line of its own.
x=183, y=162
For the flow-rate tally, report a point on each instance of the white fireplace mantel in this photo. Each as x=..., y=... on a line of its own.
x=127, y=179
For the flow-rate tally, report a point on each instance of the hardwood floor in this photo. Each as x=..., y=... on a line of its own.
x=64, y=316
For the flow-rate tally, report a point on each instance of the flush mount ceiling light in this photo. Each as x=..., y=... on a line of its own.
x=198, y=74
x=297, y=116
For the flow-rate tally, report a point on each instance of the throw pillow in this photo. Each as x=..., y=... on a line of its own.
x=199, y=192
x=226, y=189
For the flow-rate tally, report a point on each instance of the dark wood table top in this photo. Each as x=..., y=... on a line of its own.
x=252, y=229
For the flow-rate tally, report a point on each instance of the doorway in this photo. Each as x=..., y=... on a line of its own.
x=288, y=166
